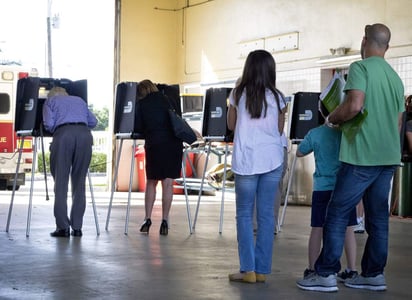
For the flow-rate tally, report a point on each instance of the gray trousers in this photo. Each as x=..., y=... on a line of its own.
x=70, y=155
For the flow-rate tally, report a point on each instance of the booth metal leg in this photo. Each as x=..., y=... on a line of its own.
x=207, y=148
x=116, y=170
x=278, y=225
x=93, y=204
x=31, y=187
x=184, y=162
x=44, y=166
x=15, y=183
x=222, y=204
x=291, y=171
x=126, y=225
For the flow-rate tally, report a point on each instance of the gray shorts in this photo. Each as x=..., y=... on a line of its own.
x=409, y=126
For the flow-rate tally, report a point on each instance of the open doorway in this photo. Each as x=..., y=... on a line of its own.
x=71, y=39
x=79, y=43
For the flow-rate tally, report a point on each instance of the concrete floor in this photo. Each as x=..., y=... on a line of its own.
x=114, y=265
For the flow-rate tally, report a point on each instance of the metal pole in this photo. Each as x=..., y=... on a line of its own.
x=116, y=170
x=126, y=225
x=15, y=183
x=93, y=203
x=222, y=203
x=291, y=171
x=44, y=162
x=208, y=145
x=184, y=162
x=49, y=40
x=31, y=187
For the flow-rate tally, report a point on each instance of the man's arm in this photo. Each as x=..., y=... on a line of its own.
x=91, y=119
x=400, y=121
x=348, y=109
x=48, y=117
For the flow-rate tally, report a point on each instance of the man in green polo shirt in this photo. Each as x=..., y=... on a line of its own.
x=369, y=160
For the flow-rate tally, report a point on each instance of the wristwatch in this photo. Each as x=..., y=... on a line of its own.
x=330, y=124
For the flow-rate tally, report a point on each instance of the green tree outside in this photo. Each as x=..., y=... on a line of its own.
x=97, y=163
x=102, y=116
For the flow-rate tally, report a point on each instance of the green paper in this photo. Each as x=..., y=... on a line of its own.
x=332, y=96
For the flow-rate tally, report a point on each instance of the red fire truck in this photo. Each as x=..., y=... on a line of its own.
x=9, y=142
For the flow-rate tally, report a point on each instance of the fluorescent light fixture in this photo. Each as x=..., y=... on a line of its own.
x=331, y=59
x=222, y=83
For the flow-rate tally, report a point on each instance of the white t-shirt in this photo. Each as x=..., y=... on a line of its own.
x=257, y=144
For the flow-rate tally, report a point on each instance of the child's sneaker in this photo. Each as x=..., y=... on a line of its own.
x=360, y=228
x=342, y=276
x=308, y=272
x=376, y=283
x=318, y=283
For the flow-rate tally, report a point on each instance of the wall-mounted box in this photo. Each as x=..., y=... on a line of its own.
x=284, y=42
x=246, y=47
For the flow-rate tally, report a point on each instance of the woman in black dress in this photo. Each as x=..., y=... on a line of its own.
x=163, y=150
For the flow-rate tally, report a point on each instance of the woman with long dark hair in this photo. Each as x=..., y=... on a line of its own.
x=256, y=114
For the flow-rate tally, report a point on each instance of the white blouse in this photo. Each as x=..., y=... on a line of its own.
x=257, y=144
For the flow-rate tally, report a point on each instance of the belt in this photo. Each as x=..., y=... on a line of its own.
x=71, y=123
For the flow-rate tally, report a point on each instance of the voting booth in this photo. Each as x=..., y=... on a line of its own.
x=214, y=126
x=126, y=131
x=31, y=94
x=303, y=116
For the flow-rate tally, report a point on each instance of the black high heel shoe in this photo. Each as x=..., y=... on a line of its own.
x=164, y=228
x=146, y=226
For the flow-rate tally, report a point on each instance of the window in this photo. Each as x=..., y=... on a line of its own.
x=4, y=103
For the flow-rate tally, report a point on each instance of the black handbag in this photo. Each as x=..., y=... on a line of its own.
x=181, y=128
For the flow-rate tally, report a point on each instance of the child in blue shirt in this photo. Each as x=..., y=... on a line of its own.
x=324, y=142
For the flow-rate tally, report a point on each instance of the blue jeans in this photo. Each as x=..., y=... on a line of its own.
x=262, y=188
x=372, y=184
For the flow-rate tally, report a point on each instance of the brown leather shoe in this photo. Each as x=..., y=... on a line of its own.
x=246, y=277
x=260, y=277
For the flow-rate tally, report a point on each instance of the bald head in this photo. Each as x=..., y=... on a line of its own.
x=376, y=40
x=378, y=35
x=57, y=91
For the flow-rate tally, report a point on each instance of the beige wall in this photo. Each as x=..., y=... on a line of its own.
x=148, y=46
x=202, y=43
